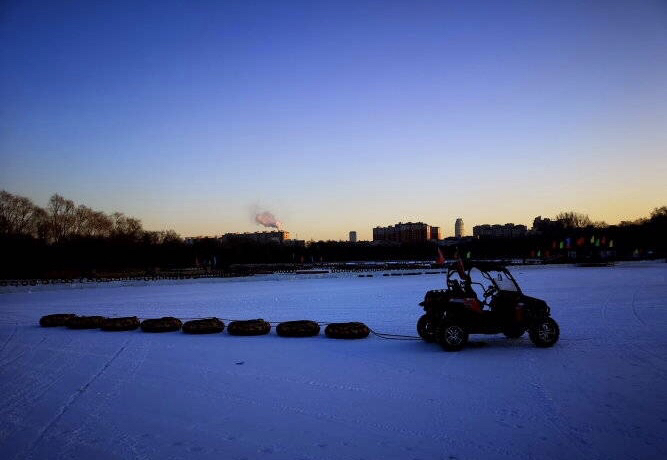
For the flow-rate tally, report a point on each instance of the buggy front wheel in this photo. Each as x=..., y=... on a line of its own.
x=452, y=337
x=544, y=333
x=426, y=328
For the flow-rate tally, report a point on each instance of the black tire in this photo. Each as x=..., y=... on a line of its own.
x=426, y=329
x=85, y=322
x=249, y=327
x=58, y=319
x=203, y=326
x=302, y=328
x=164, y=324
x=353, y=330
x=128, y=323
x=514, y=332
x=544, y=333
x=452, y=337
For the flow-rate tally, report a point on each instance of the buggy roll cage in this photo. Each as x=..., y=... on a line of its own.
x=484, y=268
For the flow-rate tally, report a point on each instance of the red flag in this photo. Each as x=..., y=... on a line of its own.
x=461, y=269
x=441, y=258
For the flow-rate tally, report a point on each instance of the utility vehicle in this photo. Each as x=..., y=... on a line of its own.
x=483, y=298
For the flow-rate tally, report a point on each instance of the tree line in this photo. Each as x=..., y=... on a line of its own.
x=64, y=239
x=63, y=220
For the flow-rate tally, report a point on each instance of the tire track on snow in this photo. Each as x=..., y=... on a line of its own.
x=21, y=354
x=73, y=398
x=9, y=339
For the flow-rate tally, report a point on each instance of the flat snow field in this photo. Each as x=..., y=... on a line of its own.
x=601, y=392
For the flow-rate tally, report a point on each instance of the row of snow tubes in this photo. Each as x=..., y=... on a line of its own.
x=302, y=328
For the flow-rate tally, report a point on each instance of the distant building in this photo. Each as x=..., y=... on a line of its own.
x=541, y=224
x=499, y=231
x=436, y=233
x=295, y=243
x=353, y=237
x=278, y=236
x=405, y=232
x=459, y=231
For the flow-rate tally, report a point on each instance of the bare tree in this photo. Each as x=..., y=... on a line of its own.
x=17, y=214
x=62, y=214
x=42, y=224
x=4, y=205
x=170, y=236
x=162, y=237
x=82, y=220
x=128, y=227
x=659, y=213
x=101, y=224
x=572, y=219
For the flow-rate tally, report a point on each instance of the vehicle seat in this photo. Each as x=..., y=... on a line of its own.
x=455, y=287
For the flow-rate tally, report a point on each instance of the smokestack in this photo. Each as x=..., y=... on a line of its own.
x=267, y=219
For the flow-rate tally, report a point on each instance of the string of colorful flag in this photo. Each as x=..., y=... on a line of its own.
x=568, y=243
x=571, y=243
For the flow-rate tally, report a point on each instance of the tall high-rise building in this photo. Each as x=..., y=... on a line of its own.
x=459, y=231
x=353, y=237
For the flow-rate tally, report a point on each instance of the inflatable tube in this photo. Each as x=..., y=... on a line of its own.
x=128, y=323
x=347, y=330
x=164, y=324
x=303, y=328
x=85, y=322
x=203, y=326
x=249, y=327
x=58, y=319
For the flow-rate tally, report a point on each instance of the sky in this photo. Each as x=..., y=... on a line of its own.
x=336, y=116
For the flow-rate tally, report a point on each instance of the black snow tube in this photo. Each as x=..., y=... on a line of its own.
x=85, y=322
x=58, y=319
x=249, y=327
x=302, y=328
x=164, y=324
x=203, y=326
x=127, y=323
x=354, y=330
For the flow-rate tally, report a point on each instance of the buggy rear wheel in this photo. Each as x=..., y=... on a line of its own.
x=426, y=329
x=452, y=337
x=544, y=333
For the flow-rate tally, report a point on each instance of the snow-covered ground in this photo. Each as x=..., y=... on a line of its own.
x=601, y=392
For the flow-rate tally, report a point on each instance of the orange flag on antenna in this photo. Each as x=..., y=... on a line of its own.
x=441, y=258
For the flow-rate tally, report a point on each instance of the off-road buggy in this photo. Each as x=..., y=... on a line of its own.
x=454, y=313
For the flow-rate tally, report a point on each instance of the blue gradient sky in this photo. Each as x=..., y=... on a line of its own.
x=336, y=116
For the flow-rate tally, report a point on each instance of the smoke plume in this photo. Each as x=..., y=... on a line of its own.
x=267, y=219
